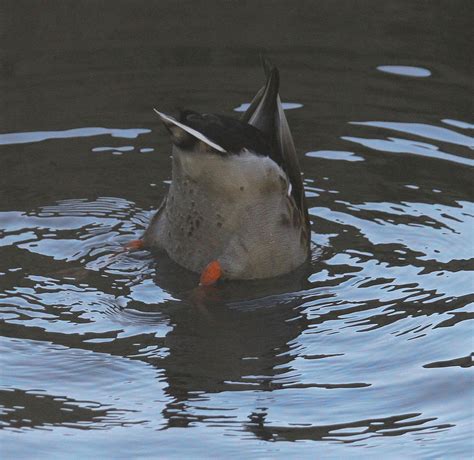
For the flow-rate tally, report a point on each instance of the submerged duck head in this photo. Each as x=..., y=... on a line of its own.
x=236, y=204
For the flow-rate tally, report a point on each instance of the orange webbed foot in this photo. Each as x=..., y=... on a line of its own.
x=134, y=245
x=211, y=274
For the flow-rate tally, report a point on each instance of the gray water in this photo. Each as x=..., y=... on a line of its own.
x=365, y=352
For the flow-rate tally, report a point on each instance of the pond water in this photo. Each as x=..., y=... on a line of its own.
x=364, y=352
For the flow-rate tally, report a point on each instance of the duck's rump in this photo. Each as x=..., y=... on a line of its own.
x=241, y=215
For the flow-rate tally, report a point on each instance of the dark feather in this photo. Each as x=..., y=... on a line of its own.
x=233, y=135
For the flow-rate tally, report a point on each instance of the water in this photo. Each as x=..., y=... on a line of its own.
x=364, y=352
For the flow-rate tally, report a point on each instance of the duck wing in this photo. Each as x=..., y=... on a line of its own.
x=223, y=135
x=233, y=135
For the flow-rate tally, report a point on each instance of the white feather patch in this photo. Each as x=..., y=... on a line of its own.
x=193, y=132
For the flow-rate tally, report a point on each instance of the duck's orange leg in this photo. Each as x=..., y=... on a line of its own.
x=134, y=245
x=211, y=274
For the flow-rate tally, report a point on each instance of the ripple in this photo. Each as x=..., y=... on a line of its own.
x=441, y=236
x=112, y=395
x=407, y=71
x=423, y=130
x=335, y=155
x=349, y=432
x=465, y=361
x=38, y=136
x=73, y=229
x=34, y=409
x=395, y=145
x=458, y=124
x=125, y=148
x=286, y=106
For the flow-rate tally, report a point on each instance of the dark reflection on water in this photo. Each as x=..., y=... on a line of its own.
x=346, y=432
x=29, y=409
x=366, y=350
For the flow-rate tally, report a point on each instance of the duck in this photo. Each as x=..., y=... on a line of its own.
x=236, y=207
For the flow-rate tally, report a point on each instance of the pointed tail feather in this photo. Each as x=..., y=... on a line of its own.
x=267, y=68
x=266, y=113
x=263, y=117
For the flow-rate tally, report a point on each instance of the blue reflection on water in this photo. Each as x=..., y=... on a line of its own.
x=334, y=155
x=38, y=136
x=286, y=106
x=408, y=71
x=423, y=130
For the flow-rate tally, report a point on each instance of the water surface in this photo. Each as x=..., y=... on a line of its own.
x=366, y=351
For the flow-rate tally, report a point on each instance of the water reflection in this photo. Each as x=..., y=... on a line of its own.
x=28, y=409
x=350, y=432
x=416, y=147
x=286, y=106
x=367, y=346
x=238, y=338
x=435, y=133
x=24, y=138
x=408, y=71
x=335, y=155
